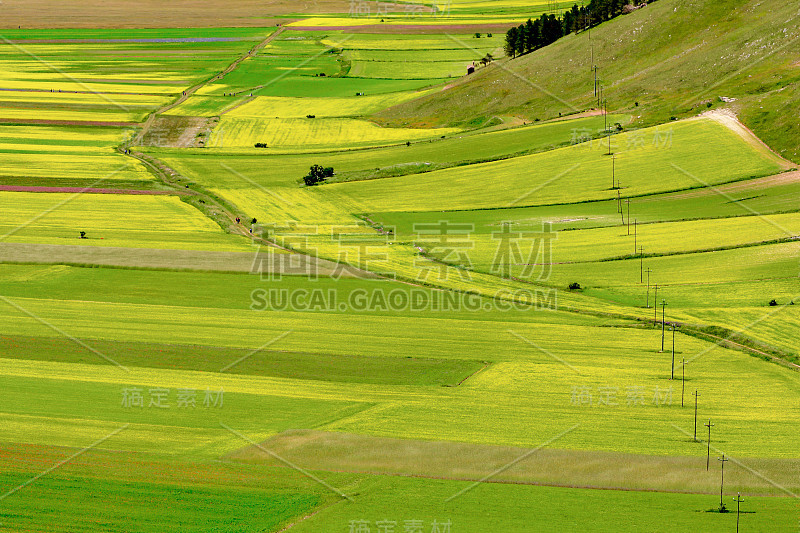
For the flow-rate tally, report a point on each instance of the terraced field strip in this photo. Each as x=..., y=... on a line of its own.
x=577, y=173
x=531, y=392
x=191, y=90
x=139, y=221
x=236, y=132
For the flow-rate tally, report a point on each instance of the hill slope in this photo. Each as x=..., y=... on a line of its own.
x=673, y=58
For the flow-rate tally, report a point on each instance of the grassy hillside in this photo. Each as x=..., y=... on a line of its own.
x=675, y=58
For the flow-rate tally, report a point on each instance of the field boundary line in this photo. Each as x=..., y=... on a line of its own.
x=191, y=90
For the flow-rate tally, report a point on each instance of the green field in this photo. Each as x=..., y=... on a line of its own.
x=579, y=173
x=481, y=321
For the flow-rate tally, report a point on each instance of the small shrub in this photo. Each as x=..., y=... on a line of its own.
x=311, y=116
x=83, y=235
x=317, y=174
x=253, y=221
x=773, y=303
x=574, y=286
x=261, y=145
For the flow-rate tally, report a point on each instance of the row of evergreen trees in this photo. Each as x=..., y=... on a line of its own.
x=547, y=29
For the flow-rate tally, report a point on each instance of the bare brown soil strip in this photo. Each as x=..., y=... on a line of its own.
x=87, y=190
x=157, y=13
x=53, y=254
x=344, y=452
x=174, y=131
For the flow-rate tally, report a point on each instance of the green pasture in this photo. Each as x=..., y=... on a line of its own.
x=286, y=169
x=728, y=278
x=683, y=155
x=403, y=393
x=775, y=194
x=490, y=506
x=523, y=405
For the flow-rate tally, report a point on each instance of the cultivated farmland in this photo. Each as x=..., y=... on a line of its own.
x=290, y=267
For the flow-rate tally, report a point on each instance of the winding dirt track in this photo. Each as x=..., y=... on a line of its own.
x=191, y=90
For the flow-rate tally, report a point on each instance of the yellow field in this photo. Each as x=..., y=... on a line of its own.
x=140, y=221
x=295, y=132
x=84, y=98
x=65, y=136
x=271, y=106
x=91, y=166
x=403, y=19
x=62, y=84
x=72, y=115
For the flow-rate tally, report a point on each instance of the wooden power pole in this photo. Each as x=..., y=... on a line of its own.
x=696, y=394
x=683, y=378
x=663, y=323
x=738, y=499
x=708, y=448
x=723, y=460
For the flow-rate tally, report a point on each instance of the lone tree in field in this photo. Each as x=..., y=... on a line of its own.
x=317, y=174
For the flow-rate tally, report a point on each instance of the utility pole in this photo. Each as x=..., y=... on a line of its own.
x=738, y=499
x=683, y=378
x=708, y=448
x=655, y=307
x=634, y=235
x=613, y=171
x=663, y=323
x=696, y=394
x=605, y=106
x=641, y=264
x=721, y=483
x=647, y=306
x=672, y=376
x=594, y=68
x=628, y=202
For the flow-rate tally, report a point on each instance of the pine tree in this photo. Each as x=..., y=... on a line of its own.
x=511, y=42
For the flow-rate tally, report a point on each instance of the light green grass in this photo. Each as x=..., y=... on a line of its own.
x=576, y=173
